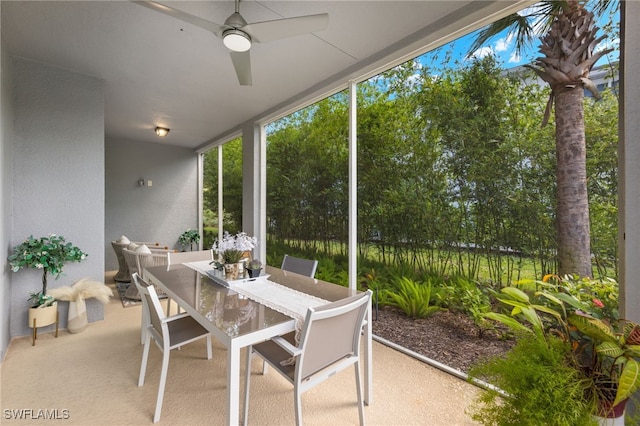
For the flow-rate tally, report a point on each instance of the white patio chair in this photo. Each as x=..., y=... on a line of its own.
x=329, y=343
x=123, y=274
x=174, y=258
x=306, y=267
x=137, y=261
x=168, y=333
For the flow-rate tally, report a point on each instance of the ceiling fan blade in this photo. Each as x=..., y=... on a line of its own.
x=183, y=16
x=242, y=64
x=266, y=31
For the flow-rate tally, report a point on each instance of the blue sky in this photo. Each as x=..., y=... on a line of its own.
x=502, y=47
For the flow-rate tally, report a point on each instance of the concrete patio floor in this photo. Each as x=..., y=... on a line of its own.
x=90, y=378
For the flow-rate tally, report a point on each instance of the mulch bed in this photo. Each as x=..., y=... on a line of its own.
x=447, y=337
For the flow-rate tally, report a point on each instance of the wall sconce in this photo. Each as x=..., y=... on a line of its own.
x=162, y=131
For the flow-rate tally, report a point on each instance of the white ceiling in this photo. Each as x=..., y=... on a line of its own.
x=160, y=71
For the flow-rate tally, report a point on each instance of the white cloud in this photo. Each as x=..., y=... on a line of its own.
x=501, y=45
x=504, y=43
x=514, y=58
x=482, y=52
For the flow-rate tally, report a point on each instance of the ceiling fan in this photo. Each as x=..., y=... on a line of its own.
x=238, y=36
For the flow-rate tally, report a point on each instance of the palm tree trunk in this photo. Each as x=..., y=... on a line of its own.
x=572, y=221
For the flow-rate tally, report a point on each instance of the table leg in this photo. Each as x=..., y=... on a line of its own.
x=233, y=384
x=368, y=360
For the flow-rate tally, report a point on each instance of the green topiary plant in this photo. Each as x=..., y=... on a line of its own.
x=189, y=238
x=47, y=253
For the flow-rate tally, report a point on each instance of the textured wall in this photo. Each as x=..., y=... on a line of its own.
x=160, y=212
x=58, y=175
x=629, y=154
x=6, y=181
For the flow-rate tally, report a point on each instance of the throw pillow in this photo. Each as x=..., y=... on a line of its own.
x=143, y=249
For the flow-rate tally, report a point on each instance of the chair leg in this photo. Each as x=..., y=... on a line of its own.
x=163, y=381
x=265, y=367
x=298, y=404
x=145, y=357
x=359, y=391
x=145, y=325
x=247, y=384
x=209, y=353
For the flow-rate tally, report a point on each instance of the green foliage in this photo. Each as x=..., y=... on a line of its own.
x=47, y=253
x=210, y=235
x=604, y=349
x=455, y=176
x=600, y=295
x=601, y=131
x=541, y=386
x=231, y=182
x=416, y=299
x=189, y=238
x=327, y=270
x=464, y=295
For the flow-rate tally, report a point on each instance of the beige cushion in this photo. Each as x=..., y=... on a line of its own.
x=133, y=246
x=123, y=240
x=143, y=249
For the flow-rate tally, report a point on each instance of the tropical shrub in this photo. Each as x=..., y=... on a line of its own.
x=469, y=297
x=415, y=299
x=539, y=387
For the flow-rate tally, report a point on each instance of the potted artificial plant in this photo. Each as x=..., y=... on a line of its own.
x=232, y=248
x=189, y=238
x=576, y=321
x=253, y=268
x=50, y=255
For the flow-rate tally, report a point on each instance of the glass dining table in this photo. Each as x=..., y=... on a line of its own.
x=243, y=313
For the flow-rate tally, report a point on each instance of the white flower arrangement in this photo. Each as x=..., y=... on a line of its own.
x=233, y=247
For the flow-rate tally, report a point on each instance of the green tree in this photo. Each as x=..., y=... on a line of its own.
x=231, y=181
x=569, y=55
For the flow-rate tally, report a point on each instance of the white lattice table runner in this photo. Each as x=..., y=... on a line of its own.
x=278, y=297
x=273, y=295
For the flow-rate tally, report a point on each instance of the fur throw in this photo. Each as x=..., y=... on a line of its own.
x=82, y=289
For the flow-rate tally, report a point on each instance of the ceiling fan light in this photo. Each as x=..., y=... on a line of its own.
x=236, y=40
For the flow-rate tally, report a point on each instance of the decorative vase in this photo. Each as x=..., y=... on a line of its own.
x=39, y=317
x=611, y=416
x=241, y=271
x=231, y=271
x=77, y=319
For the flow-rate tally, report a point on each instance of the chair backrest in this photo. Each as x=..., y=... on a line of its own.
x=147, y=260
x=130, y=258
x=137, y=261
x=117, y=247
x=306, y=267
x=153, y=308
x=174, y=258
x=332, y=332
